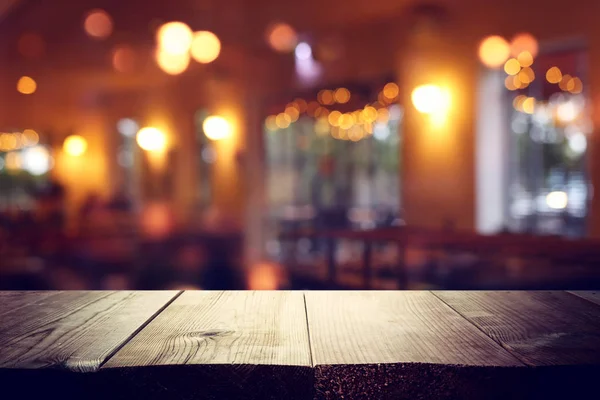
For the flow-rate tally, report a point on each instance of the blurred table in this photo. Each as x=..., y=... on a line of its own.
x=299, y=345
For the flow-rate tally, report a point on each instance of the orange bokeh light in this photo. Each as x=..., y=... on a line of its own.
x=554, y=75
x=123, y=58
x=391, y=91
x=282, y=37
x=98, y=24
x=342, y=95
x=26, y=85
x=524, y=42
x=494, y=51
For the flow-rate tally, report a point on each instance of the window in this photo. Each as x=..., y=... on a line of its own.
x=333, y=164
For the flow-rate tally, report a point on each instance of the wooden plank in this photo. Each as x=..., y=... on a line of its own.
x=540, y=328
x=74, y=330
x=395, y=327
x=592, y=296
x=11, y=301
x=403, y=345
x=221, y=345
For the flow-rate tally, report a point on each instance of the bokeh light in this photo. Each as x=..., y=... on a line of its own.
x=270, y=123
x=29, y=137
x=282, y=37
x=369, y=114
x=293, y=113
x=512, y=82
x=383, y=115
x=557, y=200
x=98, y=24
x=334, y=118
x=36, y=160
x=26, y=85
x=301, y=104
x=174, y=38
x=342, y=95
x=123, y=58
x=216, y=127
x=325, y=97
x=565, y=82
x=346, y=121
x=512, y=66
x=8, y=141
x=172, y=64
x=526, y=76
x=528, y=105
x=151, y=139
x=524, y=42
x=127, y=127
x=303, y=51
x=391, y=91
x=75, y=145
x=13, y=161
x=576, y=86
x=518, y=102
x=265, y=276
x=494, y=51
x=554, y=75
x=429, y=99
x=525, y=59
x=205, y=47
x=567, y=112
x=282, y=120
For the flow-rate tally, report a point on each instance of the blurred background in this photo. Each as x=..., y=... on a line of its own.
x=279, y=144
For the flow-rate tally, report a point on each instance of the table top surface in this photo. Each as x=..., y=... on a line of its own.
x=95, y=331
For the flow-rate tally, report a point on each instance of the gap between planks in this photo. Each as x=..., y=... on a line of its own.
x=139, y=329
x=310, y=351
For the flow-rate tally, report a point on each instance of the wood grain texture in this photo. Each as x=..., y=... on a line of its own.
x=395, y=327
x=11, y=301
x=71, y=330
x=593, y=296
x=540, y=328
x=220, y=345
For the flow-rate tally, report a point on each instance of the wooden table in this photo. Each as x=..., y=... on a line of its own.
x=299, y=345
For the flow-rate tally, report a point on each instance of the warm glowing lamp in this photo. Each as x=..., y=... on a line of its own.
x=172, y=64
x=151, y=139
x=557, y=200
x=174, y=38
x=75, y=145
x=430, y=99
x=494, y=51
x=206, y=47
x=216, y=127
